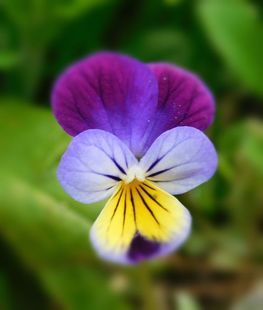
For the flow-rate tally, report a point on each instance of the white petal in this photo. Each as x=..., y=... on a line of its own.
x=179, y=160
x=93, y=165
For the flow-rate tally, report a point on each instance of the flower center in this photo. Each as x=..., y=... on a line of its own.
x=133, y=173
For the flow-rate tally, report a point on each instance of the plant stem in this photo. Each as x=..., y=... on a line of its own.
x=145, y=282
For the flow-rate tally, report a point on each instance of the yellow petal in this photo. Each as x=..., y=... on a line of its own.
x=139, y=208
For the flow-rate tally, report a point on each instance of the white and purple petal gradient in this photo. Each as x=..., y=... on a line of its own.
x=93, y=164
x=134, y=101
x=96, y=161
x=179, y=160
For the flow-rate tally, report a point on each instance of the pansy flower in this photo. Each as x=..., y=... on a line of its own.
x=138, y=141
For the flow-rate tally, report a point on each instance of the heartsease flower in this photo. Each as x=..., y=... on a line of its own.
x=137, y=139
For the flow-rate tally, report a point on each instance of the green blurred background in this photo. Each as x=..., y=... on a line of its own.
x=46, y=261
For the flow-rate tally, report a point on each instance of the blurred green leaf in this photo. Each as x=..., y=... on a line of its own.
x=68, y=9
x=186, y=301
x=172, y=2
x=42, y=10
x=253, y=145
x=32, y=18
x=31, y=139
x=32, y=144
x=5, y=296
x=82, y=287
x=31, y=219
x=241, y=148
x=8, y=59
x=51, y=237
x=53, y=241
x=165, y=44
x=244, y=142
x=235, y=28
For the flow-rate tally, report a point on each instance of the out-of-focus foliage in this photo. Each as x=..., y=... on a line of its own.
x=236, y=29
x=46, y=259
x=35, y=24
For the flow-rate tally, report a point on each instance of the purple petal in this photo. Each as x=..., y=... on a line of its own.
x=93, y=165
x=184, y=100
x=179, y=160
x=107, y=91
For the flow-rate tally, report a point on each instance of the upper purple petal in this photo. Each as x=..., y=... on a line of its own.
x=107, y=91
x=184, y=100
x=135, y=102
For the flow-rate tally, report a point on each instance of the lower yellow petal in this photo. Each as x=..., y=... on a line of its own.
x=139, y=208
x=160, y=215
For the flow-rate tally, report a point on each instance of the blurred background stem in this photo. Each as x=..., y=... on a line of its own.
x=146, y=287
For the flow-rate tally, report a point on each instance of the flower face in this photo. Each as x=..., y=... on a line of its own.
x=137, y=140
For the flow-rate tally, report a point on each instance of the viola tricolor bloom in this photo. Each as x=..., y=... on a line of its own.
x=137, y=139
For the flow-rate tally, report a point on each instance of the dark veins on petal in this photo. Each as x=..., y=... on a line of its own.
x=142, y=249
